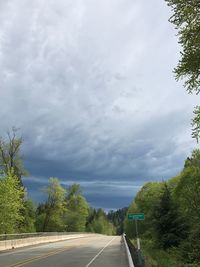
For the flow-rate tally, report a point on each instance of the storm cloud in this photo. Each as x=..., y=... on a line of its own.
x=90, y=85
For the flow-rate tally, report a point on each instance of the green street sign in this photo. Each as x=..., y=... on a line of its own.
x=136, y=217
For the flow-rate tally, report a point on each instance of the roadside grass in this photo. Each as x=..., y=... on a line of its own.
x=160, y=258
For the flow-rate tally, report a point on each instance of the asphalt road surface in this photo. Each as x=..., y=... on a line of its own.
x=95, y=251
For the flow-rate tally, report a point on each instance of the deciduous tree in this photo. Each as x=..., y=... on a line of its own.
x=186, y=18
x=54, y=207
x=77, y=209
x=11, y=203
x=10, y=155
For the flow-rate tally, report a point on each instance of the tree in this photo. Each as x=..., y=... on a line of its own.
x=11, y=203
x=10, y=155
x=73, y=190
x=77, y=209
x=187, y=195
x=188, y=189
x=54, y=207
x=91, y=215
x=40, y=216
x=117, y=218
x=144, y=202
x=100, y=223
x=172, y=213
x=186, y=18
x=191, y=246
x=29, y=217
x=169, y=227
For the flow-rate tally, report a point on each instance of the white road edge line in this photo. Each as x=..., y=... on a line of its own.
x=100, y=252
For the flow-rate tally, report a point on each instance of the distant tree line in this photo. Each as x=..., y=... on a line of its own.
x=117, y=217
x=172, y=213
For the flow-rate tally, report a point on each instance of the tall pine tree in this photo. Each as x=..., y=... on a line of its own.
x=169, y=227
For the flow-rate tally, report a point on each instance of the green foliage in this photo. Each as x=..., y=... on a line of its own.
x=77, y=209
x=169, y=226
x=172, y=184
x=196, y=123
x=186, y=18
x=11, y=203
x=155, y=257
x=191, y=246
x=187, y=194
x=29, y=216
x=73, y=190
x=117, y=218
x=54, y=207
x=187, y=191
x=145, y=201
x=39, y=222
x=102, y=226
x=99, y=223
x=172, y=215
x=91, y=215
x=129, y=226
x=68, y=210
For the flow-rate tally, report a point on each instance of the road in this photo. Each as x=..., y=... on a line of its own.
x=95, y=251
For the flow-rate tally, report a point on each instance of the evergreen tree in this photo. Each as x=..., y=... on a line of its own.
x=117, y=218
x=99, y=223
x=169, y=228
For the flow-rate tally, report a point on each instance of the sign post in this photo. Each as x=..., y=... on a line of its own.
x=137, y=217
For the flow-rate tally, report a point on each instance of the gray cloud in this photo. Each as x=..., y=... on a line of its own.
x=90, y=84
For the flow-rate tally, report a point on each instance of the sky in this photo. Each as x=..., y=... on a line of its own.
x=91, y=86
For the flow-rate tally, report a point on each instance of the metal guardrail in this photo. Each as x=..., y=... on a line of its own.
x=130, y=261
x=136, y=255
x=41, y=234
